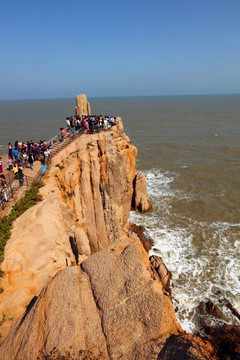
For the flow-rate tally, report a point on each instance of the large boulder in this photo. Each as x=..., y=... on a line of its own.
x=106, y=309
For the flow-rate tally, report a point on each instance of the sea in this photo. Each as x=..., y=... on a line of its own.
x=189, y=150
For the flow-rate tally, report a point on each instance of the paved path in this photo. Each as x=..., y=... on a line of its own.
x=58, y=146
x=27, y=171
x=9, y=175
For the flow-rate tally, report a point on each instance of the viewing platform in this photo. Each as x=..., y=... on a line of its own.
x=13, y=191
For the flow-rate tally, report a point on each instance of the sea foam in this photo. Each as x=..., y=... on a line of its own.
x=201, y=266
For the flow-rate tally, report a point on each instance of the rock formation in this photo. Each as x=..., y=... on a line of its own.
x=86, y=202
x=82, y=105
x=99, y=307
x=79, y=282
x=140, y=201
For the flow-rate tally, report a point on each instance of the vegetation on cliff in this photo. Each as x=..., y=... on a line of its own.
x=30, y=198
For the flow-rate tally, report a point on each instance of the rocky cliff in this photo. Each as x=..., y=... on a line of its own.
x=85, y=204
x=79, y=282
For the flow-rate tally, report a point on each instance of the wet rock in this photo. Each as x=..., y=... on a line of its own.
x=160, y=271
x=228, y=304
x=226, y=340
x=139, y=231
x=187, y=347
x=210, y=309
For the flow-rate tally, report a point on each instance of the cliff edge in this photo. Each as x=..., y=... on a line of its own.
x=85, y=204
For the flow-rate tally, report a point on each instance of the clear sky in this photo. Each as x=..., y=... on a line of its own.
x=57, y=49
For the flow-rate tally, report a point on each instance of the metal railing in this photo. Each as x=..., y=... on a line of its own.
x=13, y=184
x=7, y=193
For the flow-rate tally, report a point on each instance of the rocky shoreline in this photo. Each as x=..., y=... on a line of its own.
x=79, y=282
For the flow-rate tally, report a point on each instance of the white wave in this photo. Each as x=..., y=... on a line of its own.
x=198, y=273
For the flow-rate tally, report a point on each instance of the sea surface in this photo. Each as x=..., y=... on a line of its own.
x=189, y=150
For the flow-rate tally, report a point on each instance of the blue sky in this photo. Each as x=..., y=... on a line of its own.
x=57, y=49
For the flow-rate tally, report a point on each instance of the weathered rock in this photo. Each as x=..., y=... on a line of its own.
x=228, y=304
x=161, y=272
x=187, y=347
x=139, y=231
x=140, y=199
x=226, y=340
x=64, y=317
x=108, y=308
x=86, y=197
x=38, y=248
x=209, y=308
x=82, y=105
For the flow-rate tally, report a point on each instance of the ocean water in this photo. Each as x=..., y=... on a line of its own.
x=189, y=150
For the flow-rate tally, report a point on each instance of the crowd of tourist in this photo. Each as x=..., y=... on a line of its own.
x=88, y=124
x=22, y=155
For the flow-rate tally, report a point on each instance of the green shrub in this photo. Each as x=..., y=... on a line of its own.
x=30, y=198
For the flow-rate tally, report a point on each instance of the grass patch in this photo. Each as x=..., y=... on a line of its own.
x=30, y=198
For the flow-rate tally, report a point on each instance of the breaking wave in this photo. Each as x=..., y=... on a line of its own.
x=202, y=256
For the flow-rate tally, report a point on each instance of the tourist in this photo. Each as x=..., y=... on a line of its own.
x=44, y=168
x=10, y=163
x=63, y=132
x=10, y=150
x=4, y=188
x=91, y=125
x=105, y=124
x=30, y=159
x=15, y=154
x=25, y=159
x=20, y=157
x=37, y=149
x=20, y=176
x=15, y=168
x=46, y=154
x=72, y=125
x=100, y=123
x=68, y=123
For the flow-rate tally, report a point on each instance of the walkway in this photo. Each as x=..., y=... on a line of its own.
x=15, y=191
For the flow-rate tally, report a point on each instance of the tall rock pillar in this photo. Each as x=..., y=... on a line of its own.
x=82, y=105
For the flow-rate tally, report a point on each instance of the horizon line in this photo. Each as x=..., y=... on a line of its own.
x=125, y=96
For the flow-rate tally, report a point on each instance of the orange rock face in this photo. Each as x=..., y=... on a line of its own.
x=99, y=308
x=87, y=197
x=141, y=201
x=82, y=274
